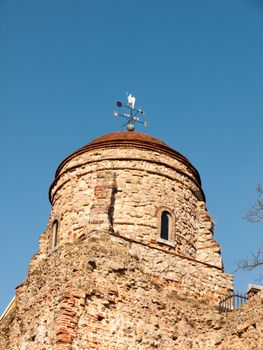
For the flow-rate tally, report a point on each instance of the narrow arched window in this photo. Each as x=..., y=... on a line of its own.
x=54, y=234
x=165, y=223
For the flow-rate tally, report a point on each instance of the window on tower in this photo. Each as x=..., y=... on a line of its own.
x=166, y=228
x=54, y=234
x=165, y=225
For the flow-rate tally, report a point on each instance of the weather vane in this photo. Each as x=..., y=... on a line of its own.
x=133, y=116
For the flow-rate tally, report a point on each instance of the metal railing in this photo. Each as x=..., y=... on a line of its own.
x=232, y=301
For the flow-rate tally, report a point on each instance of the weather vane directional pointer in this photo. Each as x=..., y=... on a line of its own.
x=133, y=116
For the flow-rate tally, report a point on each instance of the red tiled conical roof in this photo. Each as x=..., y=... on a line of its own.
x=130, y=139
x=127, y=136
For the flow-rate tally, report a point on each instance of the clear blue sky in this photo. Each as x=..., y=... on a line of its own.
x=196, y=67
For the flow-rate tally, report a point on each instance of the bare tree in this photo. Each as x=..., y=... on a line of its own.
x=255, y=260
x=255, y=214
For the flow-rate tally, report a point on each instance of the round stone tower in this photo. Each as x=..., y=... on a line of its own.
x=133, y=186
x=127, y=253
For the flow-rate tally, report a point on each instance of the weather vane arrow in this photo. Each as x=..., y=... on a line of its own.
x=132, y=116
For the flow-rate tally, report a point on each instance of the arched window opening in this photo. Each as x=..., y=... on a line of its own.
x=165, y=223
x=54, y=234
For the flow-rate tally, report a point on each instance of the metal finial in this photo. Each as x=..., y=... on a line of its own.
x=131, y=117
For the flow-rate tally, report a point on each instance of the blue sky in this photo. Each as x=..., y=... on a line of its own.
x=196, y=67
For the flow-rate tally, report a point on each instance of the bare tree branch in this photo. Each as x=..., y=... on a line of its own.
x=255, y=214
x=255, y=260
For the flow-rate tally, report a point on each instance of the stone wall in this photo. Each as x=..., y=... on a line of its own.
x=101, y=293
